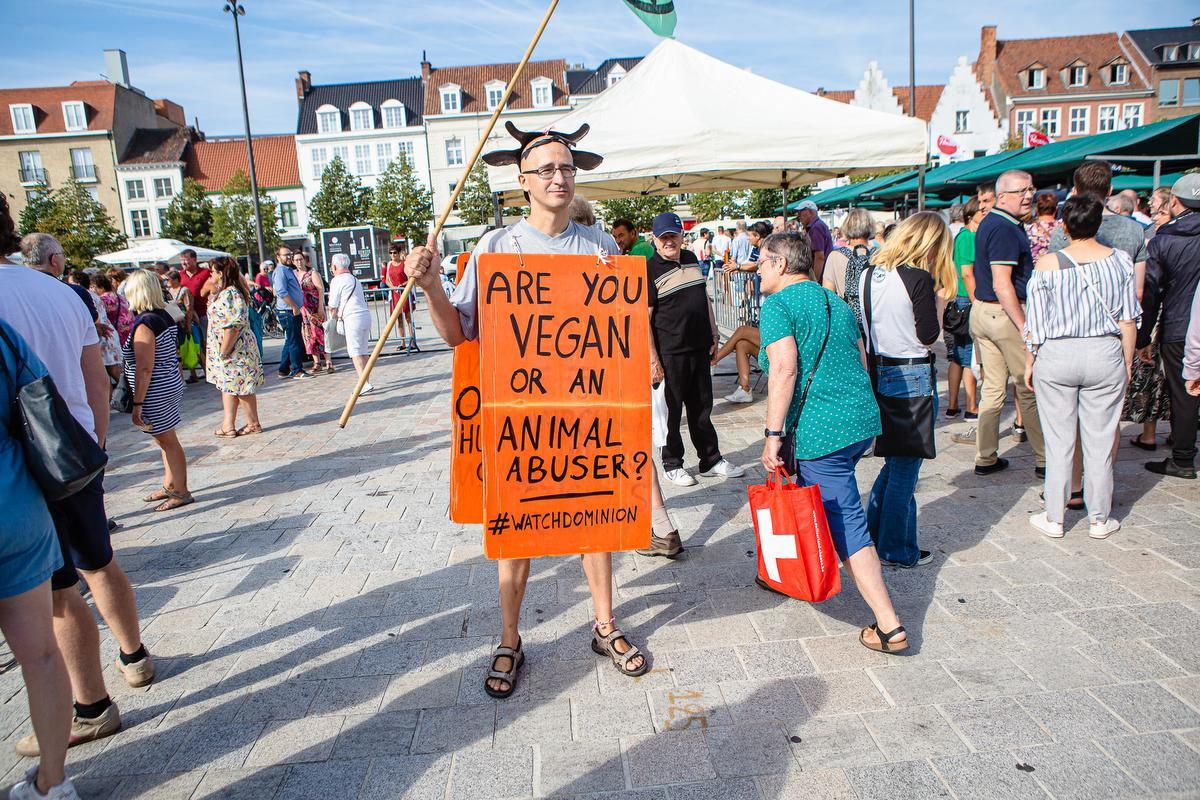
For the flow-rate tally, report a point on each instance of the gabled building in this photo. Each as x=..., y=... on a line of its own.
x=1170, y=60
x=584, y=84
x=460, y=100
x=80, y=131
x=963, y=123
x=366, y=124
x=1065, y=86
x=150, y=174
x=874, y=92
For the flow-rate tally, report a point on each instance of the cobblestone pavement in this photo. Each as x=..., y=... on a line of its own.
x=322, y=631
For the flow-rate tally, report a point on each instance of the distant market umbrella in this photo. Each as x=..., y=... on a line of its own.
x=659, y=15
x=151, y=251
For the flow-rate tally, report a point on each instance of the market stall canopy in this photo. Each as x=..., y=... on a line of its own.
x=152, y=250
x=849, y=194
x=656, y=139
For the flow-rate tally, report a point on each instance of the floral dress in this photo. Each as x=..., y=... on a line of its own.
x=312, y=321
x=119, y=315
x=110, y=345
x=241, y=372
x=1039, y=232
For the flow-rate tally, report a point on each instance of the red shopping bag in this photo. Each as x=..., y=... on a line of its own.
x=795, y=551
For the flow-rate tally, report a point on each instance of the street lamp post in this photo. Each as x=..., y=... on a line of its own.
x=912, y=96
x=236, y=9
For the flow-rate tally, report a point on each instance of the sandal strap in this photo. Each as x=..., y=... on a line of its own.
x=502, y=651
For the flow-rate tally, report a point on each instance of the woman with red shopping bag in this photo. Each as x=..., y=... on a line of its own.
x=821, y=419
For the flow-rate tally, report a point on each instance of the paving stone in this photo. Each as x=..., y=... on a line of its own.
x=164, y=786
x=1168, y=619
x=671, y=757
x=221, y=747
x=756, y=749
x=1147, y=707
x=324, y=780
x=497, y=774
x=1132, y=661
x=833, y=653
x=994, y=724
x=285, y=700
x=239, y=783
x=706, y=666
x=905, y=779
x=519, y=724
x=608, y=717
x=421, y=690
x=840, y=693
x=736, y=789
x=372, y=735
x=988, y=776
x=569, y=768
x=1060, y=668
x=918, y=684
x=410, y=777
x=827, y=784
x=295, y=741
x=916, y=732
x=1073, y=714
x=1076, y=771
x=750, y=701
x=1180, y=649
x=446, y=730
x=995, y=677
x=1159, y=761
x=350, y=696
x=832, y=742
x=699, y=707
x=774, y=659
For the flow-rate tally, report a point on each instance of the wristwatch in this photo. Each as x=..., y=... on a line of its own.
x=767, y=432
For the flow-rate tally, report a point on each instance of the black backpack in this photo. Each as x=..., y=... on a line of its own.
x=857, y=260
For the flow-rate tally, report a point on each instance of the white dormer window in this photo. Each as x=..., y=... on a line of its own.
x=1118, y=73
x=1077, y=76
x=1170, y=52
x=393, y=114
x=543, y=92
x=329, y=119
x=1193, y=52
x=614, y=75
x=22, y=118
x=495, y=93
x=74, y=116
x=451, y=98
x=362, y=117
x=1035, y=78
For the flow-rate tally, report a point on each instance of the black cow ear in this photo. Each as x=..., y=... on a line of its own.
x=586, y=160
x=502, y=158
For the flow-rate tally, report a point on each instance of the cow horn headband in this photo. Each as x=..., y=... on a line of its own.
x=531, y=139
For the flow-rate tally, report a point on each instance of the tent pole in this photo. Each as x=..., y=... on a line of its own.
x=921, y=188
x=1157, y=173
x=784, y=186
x=497, y=210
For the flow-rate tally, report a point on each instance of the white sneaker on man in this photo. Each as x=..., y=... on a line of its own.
x=27, y=789
x=681, y=477
x=1052, y=529
x=723, y=469
x=739, y=395
x=1105, y=529
x=367, y=389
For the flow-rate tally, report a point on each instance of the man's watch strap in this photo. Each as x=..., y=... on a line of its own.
x=767, y=432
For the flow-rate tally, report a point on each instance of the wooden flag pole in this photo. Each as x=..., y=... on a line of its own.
x=408, y=286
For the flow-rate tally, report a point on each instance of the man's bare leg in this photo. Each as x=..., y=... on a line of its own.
x=115, y=600
x=598, y=569
x=514, y=575
x=79, y=640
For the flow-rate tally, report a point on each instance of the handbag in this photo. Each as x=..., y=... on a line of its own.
x=122, y=397
x=189, y=353
x=795, y=550
x=956, y=321
x=658, y=413
x=334, y=338
x=175, y=312
x=60, y=455
x=907, y=422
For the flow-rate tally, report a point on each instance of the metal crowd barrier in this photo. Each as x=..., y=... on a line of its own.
x=379, y=301
x=736, y=299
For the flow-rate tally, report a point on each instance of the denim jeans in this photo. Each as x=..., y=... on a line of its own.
x=892, y=507
x=291, y=359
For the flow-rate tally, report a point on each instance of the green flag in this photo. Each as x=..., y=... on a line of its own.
x=659, y=15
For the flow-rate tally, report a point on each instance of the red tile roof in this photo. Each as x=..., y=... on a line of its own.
x=213, y=163
x=472, y=80
x=98, y=98
x=927, y=98
x=1055, y=54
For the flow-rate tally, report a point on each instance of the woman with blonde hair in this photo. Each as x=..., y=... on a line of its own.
x=903, y=293
x=151, y=356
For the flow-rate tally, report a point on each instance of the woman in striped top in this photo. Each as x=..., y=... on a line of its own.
x=1080, y=328
x=152, y=369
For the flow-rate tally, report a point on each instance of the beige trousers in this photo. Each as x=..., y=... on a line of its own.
x=1001, y=354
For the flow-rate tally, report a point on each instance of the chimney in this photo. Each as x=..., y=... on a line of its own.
x=116, y=65
x=170, y=111
x=426, y=67
x=303, y=85
x=986, y=63
x=1196, y=20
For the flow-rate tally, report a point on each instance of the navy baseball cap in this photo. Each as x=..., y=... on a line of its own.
x=666, y=222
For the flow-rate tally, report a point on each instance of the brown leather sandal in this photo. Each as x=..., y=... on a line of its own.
x=157, y=495
x=516, y=657
x=605, y=645
x=176, y=500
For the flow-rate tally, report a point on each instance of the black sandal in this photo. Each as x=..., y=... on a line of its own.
x=517, y=658
x=604, y=645
x=1139, y=444
x=885, y=640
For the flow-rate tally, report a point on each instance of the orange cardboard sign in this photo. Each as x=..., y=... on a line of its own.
x=466, y=459
x=565, y=393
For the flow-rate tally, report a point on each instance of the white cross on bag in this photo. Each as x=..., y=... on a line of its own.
x=772, y=546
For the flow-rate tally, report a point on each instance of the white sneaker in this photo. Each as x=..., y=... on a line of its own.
x=1052, y=529
x=367, y=389
x=27, y=789
x=723, y=469
x=1105, y=529
x=681, y=477
x=739, y=395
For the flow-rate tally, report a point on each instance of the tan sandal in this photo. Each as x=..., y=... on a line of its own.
x=516, y=657
x=247, y=430
x=176, y=500
x=157, y=495
x=605, y=645
x=329, y=370
x=885, y=644
x=225, y=434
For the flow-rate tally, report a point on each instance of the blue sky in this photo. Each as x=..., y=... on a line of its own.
x=183, y=49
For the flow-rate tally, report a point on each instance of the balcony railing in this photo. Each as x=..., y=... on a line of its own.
x=33, y=175
x=83, y=172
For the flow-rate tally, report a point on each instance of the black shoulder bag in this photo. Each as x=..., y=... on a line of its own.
x=907, y=421
x=62, y=456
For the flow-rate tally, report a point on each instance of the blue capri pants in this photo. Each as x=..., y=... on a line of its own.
x=834, y=473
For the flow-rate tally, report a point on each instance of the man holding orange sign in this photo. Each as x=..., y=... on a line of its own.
x=548, y=162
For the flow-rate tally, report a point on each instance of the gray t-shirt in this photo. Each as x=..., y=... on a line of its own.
x=1116, y=231
x=521, y=237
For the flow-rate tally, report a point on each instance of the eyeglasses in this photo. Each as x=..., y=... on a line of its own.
x=1026, y=190
x=546, y=173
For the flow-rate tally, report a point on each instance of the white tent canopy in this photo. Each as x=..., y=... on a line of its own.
x=153, y=250
x=736, y=130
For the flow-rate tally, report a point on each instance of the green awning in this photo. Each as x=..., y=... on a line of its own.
x=943, y=180
x=1143, y=183
x=852, y=192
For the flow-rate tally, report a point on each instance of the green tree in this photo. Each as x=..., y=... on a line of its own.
x=233, y=226
x=475, y=200
x=189, y=217
x=401, y=204
x=340, y=202
x=79, y=222
x=765, y=202
x=37, y=207
x=716, y=205
x=639, y=210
